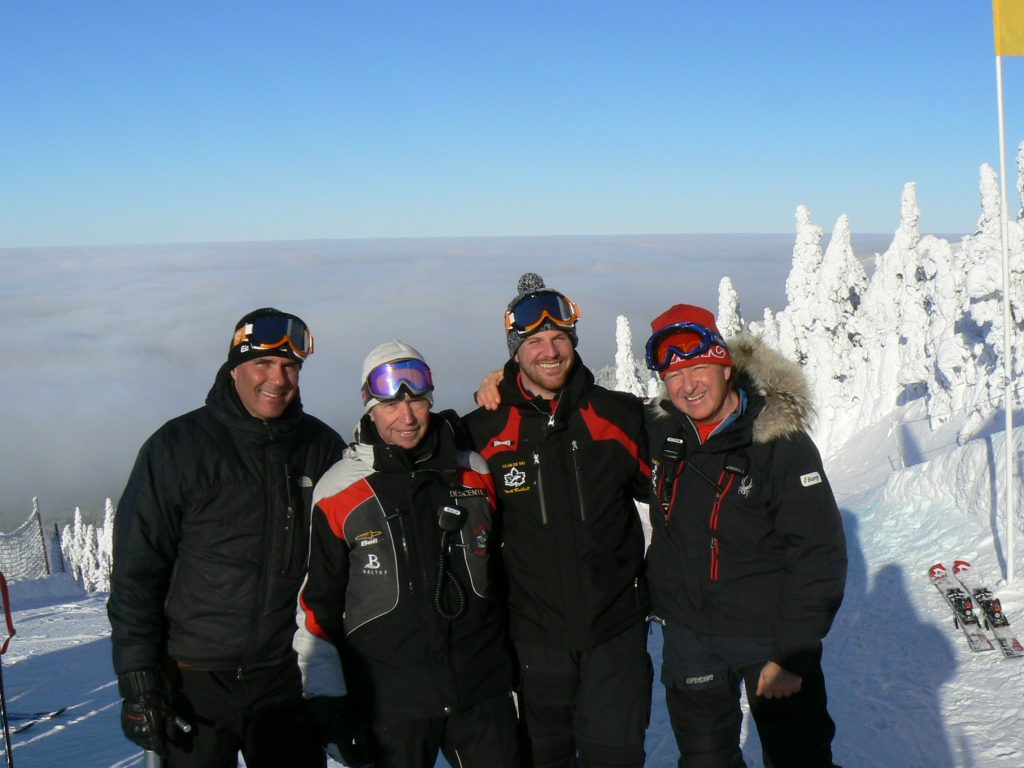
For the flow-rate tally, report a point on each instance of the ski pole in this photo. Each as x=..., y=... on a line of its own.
x=5, y=596
x=155, y=759
x=7, y=730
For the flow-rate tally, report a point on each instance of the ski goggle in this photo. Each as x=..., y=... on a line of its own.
x=534, y=309
x=387, y=380
x=273, y=332
x=659, y=355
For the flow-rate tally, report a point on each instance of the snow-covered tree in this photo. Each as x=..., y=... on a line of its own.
x=729, y=319
x=88, y=551
x=797, y=319
x=832, y=359
x=630, y=376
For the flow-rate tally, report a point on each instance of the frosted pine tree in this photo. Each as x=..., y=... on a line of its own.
x=106, y=544
x=890, y=316
x=73, y=545
x=949, y=361
x=628, y=376
x=913, y=328
x=730, y=320
x=981, y=326
x=767, y=330
x=797, y=319
x=832, y=359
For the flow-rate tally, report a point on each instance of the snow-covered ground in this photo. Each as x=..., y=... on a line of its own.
x=905, y=690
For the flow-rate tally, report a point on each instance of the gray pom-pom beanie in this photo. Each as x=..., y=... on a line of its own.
x=531, y=282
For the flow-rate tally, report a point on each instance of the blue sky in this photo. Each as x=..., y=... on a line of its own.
x=186, y=122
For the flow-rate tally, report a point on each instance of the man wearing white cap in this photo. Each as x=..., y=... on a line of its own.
x=401, y=643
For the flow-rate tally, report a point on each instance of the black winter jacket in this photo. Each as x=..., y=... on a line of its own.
x=369, y=598
x=764, y=553
x=573, y=544
x=210, y=536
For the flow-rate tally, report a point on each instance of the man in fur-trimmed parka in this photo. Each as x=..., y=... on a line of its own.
x=747, y=563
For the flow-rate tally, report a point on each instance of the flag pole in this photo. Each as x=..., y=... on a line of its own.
x=1008, y=496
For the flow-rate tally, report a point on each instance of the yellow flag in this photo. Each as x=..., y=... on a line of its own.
x=1009, y=21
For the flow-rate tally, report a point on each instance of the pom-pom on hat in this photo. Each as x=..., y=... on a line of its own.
x=531, y=283
x=673, y=345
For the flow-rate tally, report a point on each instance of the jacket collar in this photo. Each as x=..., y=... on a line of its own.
x=436, y=451
x=226, y=406
x=573, y=394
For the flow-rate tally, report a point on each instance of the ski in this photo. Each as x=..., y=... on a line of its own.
x=963, y=609
x=43, y=714
x=29, y=719
x=991, y=609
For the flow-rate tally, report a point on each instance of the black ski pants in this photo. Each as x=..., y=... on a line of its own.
x=483, y=736
x=595, y=702
x=261, y=715
x=795, y=732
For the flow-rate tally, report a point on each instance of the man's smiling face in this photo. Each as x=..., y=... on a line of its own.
x=267, y=385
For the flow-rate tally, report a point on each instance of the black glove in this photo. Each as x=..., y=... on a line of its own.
x=344, y=732
x=146, y=714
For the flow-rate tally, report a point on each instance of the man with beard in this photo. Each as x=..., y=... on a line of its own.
x=568, y=458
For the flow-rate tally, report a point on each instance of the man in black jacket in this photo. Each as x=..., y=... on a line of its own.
x=747, y=562
x=568, y=458
x=210, y=544
x=398, y=621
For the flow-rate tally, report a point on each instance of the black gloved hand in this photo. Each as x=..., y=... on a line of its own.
x=344, y=732
x=146, y=714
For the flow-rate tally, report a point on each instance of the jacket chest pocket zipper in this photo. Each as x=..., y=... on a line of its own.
x=579, y=480
x=290, y=523
x=540, y=490
x=715, y=544
x=397, y=516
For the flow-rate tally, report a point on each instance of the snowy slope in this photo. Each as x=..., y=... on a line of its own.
x=905, y=690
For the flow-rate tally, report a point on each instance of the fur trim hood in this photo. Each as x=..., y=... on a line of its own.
x=764, y=371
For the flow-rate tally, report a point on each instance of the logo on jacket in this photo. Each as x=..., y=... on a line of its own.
x=305, y=482
x=515, y=478
x=746, y=486
x=369, y=537
x=505, y=443
x=811, y=478
x=465, y=493
x=481, y=535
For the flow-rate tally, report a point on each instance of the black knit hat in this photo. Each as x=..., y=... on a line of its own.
x=241, y=349
x=531, y=282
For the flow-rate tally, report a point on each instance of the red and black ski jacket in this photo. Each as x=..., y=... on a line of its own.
x=747, y=539
x=573, y=544
x=368, y=622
